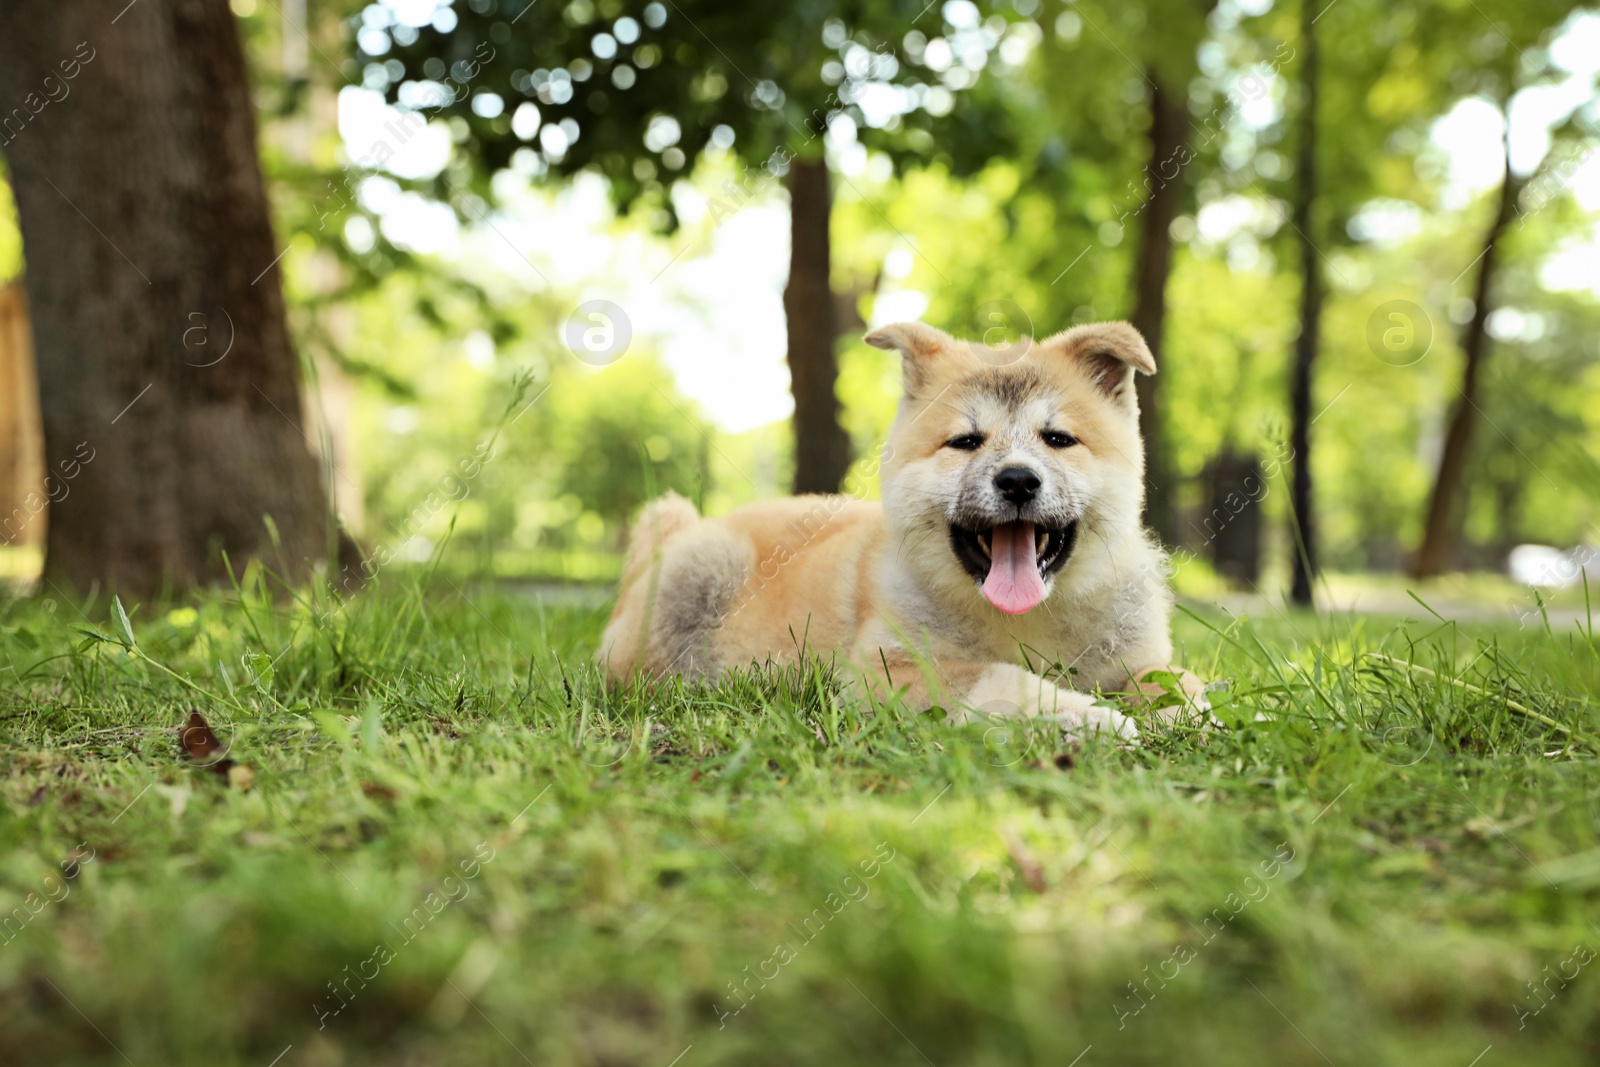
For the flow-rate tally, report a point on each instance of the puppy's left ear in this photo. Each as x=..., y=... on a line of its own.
x=1109, y=352
x=919, y=345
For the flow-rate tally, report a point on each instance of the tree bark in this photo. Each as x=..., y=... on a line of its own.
x=821, y=446
x=1436, y=555
x=1304, y=526
x=167, y=380
x=1232, y=524
x=1169, y=127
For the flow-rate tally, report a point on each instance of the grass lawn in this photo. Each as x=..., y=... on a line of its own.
x=458, y=848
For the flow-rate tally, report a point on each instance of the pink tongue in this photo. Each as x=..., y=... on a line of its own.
x=1014, y=585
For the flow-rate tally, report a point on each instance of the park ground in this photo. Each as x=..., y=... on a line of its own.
x=441, y=840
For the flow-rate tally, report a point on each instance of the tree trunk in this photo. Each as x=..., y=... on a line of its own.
x=167, y=382
x=1304, y=528
x=821, y=446
x=1169, y=127
x=1232, y=524
x=1444, y=517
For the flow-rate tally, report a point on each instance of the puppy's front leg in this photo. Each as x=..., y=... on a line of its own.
x=973, y=691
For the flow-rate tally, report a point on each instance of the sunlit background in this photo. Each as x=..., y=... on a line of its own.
x=421, y=284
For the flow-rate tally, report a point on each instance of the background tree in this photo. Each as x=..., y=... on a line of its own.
x=1174, y=34
x=1384, y=73
x=1443, y=516
x=1168, y=135
x=167, y=381
x=1521, y=27
x=1303, y=510
x=639, y=93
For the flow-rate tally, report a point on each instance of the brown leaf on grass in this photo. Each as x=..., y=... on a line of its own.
x=199, y=743
x=201, y=748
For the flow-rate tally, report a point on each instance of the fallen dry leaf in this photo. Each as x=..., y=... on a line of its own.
x=201, y=748
x=199, y=743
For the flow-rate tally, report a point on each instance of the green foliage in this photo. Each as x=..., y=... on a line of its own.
x=638, y=92
x=617, y=437
x=563, y=472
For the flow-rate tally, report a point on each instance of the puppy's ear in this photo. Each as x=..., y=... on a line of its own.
x=1109, y=353
x=919, y=345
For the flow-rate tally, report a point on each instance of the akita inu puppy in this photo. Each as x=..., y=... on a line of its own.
x=1009, y=531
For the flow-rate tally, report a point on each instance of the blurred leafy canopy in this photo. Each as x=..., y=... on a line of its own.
x=639, y=92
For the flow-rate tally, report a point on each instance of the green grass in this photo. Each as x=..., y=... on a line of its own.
x=644, y=862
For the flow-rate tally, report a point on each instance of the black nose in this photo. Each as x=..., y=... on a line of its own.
x=1017, y=484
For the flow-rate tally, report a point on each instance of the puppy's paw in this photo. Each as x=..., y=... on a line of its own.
x=1006, y=691
x=1080, y=716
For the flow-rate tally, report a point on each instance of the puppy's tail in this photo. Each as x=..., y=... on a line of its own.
x=657, y=523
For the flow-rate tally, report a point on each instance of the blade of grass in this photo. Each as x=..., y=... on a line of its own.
x=1520, y=709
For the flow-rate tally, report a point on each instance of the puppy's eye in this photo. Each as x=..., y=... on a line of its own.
x=967, y=442
x=1058, y=439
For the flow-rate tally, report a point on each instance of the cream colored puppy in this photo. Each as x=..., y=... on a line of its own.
x=1009, y=532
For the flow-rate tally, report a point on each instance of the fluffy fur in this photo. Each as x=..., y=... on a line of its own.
x=1040, y=438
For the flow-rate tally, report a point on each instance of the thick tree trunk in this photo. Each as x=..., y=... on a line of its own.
x=167, y=382
x=821, y=446
x=1169, y=128
x=1304, y=530
x=1444, y=516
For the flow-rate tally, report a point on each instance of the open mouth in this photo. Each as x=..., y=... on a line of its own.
x=1012, y=560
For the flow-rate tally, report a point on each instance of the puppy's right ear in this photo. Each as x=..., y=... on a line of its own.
x=919, y=346
x=1110, y=352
